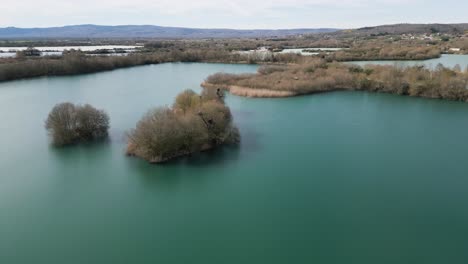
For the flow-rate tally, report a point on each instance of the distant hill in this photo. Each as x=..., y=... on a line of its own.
x=145, y=31
x=398, y=29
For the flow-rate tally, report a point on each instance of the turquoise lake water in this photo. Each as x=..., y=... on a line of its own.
x=343, y=177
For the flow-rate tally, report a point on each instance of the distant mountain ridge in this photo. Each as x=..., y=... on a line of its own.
x=146, y=31
x=398, y=29
x=150, y=31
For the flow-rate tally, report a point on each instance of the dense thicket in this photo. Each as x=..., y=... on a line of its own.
x=78, y=63
x=194, y=123
x=68, y=123
x=319, y=76
x=458, y=46
x=385, y=52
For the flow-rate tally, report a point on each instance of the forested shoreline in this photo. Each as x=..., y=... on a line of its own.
x=221, y=51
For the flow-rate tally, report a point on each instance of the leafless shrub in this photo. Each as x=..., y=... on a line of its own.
x=68, y=123
x=194, y=123
x=451, y=84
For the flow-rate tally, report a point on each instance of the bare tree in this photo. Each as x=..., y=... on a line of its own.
x=166, y=133
x=68, y=123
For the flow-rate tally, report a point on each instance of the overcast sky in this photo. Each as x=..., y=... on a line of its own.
x=246, y=14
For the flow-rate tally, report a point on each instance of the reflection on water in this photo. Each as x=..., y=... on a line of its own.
x=338, y=177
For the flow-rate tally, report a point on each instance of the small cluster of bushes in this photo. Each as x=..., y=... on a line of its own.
x=68, y=124
x=194, y=123
x=320, y=76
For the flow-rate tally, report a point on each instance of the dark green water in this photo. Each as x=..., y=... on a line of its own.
x=344, y=177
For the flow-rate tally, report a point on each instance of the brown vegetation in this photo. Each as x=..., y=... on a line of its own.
x=458, y=46
x=68, y=124
x=73, y=63
x=230, y=51
x=194, y=123
x=385, y=52
x=319, y=76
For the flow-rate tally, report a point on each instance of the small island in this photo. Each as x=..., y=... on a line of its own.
x=69, y=124
x=194, y=123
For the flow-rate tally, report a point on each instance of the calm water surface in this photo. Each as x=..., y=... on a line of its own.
x=448, y=60
x=344, y=177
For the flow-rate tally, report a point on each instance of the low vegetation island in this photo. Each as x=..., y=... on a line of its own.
x=194, y=123
x=318, y=76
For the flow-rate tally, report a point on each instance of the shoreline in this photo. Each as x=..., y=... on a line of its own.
x=266, y=93
x=34, y=76
x=133, y=152
x=8, y=65
x=263, y=93
x=251, y=92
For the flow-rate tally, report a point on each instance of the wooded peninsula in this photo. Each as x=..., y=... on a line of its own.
x=317, y=75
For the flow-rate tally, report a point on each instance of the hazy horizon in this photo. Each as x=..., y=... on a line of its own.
x=236, y=14
x=170, y=26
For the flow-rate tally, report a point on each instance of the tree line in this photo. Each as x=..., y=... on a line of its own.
x=222, y=51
